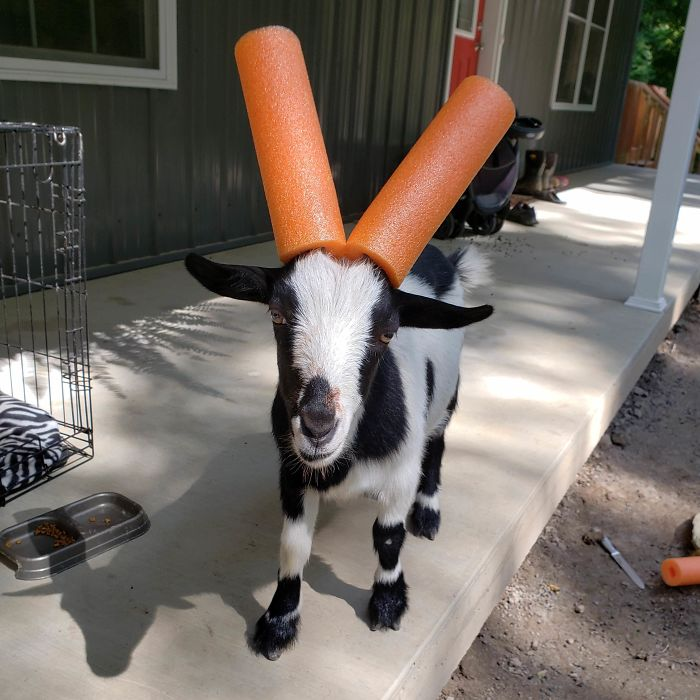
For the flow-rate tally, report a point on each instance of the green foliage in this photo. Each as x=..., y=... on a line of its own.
x=659, y=41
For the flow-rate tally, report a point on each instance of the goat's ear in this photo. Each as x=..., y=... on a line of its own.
x=236, y=281
x=423, y=312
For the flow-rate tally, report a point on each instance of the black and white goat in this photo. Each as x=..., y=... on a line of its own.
x=368, y=380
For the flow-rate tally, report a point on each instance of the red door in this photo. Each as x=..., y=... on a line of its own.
x=466, y=40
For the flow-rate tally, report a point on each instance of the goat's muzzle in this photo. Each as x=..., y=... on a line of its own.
x=317, y=412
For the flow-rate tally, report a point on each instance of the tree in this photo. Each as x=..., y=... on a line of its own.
x=659, y=41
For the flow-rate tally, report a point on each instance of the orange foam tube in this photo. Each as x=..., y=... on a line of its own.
x=681, y=571
x=287, y=135
x=418, y=196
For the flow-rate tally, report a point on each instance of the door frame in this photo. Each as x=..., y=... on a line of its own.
x=492, y=39
x=493, y=35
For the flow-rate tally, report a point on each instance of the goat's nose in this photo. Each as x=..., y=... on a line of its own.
x=316, y=409
x=316, y=421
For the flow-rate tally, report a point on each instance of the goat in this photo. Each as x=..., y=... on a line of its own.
x=356, y=411
x=368, y=381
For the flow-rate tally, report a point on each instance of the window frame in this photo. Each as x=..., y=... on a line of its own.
x=577, y=106
x=50, y=71
x=465, y=33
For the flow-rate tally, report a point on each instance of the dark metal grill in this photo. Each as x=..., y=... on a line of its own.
x=44, y=358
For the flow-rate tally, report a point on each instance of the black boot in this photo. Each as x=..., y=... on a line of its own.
x=531, y=182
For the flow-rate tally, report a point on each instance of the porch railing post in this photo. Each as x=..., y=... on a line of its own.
x=676, y=150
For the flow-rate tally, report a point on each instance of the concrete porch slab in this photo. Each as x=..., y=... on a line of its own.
x=182, y=388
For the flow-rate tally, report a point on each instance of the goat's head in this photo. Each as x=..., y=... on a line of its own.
x=333, y=320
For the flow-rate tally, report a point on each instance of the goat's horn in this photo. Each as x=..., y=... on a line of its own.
x=415, y=200
x=292, y=157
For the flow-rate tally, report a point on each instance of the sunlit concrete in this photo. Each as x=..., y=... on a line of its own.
x=182, y=388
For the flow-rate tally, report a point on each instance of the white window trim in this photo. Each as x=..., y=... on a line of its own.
x=164, y=77
x=576, y=106
x=464, y=33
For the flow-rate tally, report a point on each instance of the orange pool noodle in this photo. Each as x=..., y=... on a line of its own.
x=291, y=154
x=681, y=571
x=418, y=196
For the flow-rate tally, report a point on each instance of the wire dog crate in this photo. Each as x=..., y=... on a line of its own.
x=44, y=360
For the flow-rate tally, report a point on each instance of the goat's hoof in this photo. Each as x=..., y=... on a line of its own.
x=396, y=626
x=388, y=604
x=425, y=522
x=273, y=635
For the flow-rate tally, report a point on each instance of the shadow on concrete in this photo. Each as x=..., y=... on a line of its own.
x=146, y=345
x=629, y=180
x=205, y=542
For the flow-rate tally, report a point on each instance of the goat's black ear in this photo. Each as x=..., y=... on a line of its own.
x=423, y=312
x=237, y=281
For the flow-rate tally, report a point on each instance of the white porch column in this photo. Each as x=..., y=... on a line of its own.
x=678, y=142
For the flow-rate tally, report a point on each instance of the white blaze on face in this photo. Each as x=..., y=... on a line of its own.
x=335, y=300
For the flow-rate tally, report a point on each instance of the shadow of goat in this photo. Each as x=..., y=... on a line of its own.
x=205, y=542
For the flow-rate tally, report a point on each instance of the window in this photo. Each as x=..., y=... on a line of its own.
x=584, y=35
x=466, y=17
x=129, y=42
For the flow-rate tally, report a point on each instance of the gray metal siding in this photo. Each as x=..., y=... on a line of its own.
x=167, y=171
x=528, y=62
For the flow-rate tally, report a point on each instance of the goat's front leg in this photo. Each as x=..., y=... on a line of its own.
x=389, y=593
x=277, y=628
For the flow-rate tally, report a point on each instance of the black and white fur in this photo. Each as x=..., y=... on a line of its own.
x=368, y=380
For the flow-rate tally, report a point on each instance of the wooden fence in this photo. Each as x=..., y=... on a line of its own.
x=642, y=127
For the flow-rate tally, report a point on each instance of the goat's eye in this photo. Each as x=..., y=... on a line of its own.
x=386, y=337
x=277, y=317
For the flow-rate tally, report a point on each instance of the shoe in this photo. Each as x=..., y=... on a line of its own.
x=523, y=214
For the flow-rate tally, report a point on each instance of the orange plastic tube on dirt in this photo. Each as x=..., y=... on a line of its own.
x=291, y=154
x=681, y=571
x=418, y=196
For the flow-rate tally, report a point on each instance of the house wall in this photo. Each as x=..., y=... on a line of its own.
x=168, y=171
x=582, y=139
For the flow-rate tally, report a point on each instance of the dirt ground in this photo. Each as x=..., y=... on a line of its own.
x=571, y=624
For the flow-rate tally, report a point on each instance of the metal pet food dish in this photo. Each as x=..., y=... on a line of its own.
x=47, y=544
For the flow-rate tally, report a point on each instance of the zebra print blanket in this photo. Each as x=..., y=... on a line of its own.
x=30, y=443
